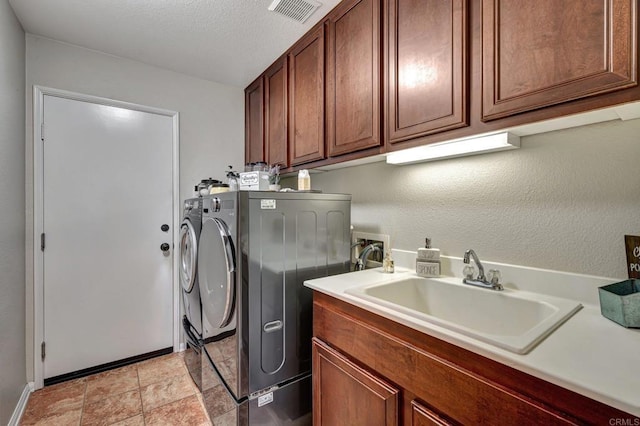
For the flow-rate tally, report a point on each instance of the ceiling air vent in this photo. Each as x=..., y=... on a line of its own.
x=298, y=10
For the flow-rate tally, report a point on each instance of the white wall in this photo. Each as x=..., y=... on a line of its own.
x=563, y=201
x=211, y=114
x=12, y=272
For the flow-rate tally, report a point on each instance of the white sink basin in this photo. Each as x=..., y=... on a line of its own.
x=510, y=319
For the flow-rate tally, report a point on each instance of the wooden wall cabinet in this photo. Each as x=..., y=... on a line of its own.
x=275, y=114
x=353, y=95
x=254, y=121
x=306, y=98
x=537, y=54
x=363, y=356
x=427, y=51
x=394, y=74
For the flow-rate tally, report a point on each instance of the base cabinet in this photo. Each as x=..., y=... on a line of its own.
x=345, y=394
x=423, y=416
x=363, y=364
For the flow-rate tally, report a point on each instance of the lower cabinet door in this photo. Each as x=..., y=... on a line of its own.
x=346, y=394
x=422, y=416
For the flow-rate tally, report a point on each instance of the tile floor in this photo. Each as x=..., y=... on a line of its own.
x=158, y=391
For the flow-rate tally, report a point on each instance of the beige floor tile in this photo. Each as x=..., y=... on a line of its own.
x=112, y=409
x=187, y=412
x=169, y=390
x=131, y=421
x=55, y=400
x=160, y=369
x=66, y=418
x=111, y=383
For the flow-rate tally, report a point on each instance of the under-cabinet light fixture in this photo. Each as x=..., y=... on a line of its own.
x=456, y=148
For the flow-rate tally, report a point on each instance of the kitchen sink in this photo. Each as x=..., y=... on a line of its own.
x=511, y=319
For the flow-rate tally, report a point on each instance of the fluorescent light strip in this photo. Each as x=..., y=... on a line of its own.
x=456, y=148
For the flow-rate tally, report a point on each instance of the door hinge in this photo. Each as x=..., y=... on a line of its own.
x=42, y=131
x=42, y=240
x=42, y=350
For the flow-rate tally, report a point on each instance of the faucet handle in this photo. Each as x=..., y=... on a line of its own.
x=494, y=276
x=469, y=271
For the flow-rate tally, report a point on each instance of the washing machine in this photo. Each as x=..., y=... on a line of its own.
x=191, y=303
x=189, y=236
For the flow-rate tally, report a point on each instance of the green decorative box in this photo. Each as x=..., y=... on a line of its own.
x=620, y=302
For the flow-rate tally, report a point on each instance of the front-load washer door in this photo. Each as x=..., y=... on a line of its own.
x=188, y=255
x=216, y=269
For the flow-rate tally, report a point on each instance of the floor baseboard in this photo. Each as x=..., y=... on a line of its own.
x=22, y=404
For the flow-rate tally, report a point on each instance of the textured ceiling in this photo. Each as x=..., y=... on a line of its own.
x=227, y=41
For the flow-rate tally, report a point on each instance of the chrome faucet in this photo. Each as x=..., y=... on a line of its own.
x=480, y=280
x=364, y=254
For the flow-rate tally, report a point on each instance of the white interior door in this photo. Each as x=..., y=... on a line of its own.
x=107, y=190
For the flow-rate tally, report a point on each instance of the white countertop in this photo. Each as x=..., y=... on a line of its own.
x=587, y=354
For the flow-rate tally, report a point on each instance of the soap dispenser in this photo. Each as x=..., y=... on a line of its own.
x=428, y=261
x=428, y=253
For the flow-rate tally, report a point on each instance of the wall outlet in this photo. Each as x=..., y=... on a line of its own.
x=359, y=240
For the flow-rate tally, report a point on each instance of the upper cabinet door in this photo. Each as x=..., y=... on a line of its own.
x=275, y=114
x=306, y=98
x=427, y=67
x=540, y=53
x=353, y=77
x=253, y=122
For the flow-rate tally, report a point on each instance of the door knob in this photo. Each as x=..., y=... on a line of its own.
x=164, y=228
x=164, y=247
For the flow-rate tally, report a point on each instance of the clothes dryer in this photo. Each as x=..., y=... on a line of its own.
x=256, y=250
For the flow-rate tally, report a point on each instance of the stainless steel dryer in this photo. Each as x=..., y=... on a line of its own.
x=256, y=250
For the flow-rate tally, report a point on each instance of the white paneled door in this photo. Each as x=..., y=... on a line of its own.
x=107, y=191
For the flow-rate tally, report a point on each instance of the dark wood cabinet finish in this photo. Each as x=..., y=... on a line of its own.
x=253, y=122
x=345, y=394
x=423, y=416
x=448, y=69
x=306, y=98
x=426, y=67
x=275, y=113
x=353, y=77
x=537, y=54
x=440, y=382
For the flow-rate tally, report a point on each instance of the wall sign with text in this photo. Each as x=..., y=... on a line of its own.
x=632, y=244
